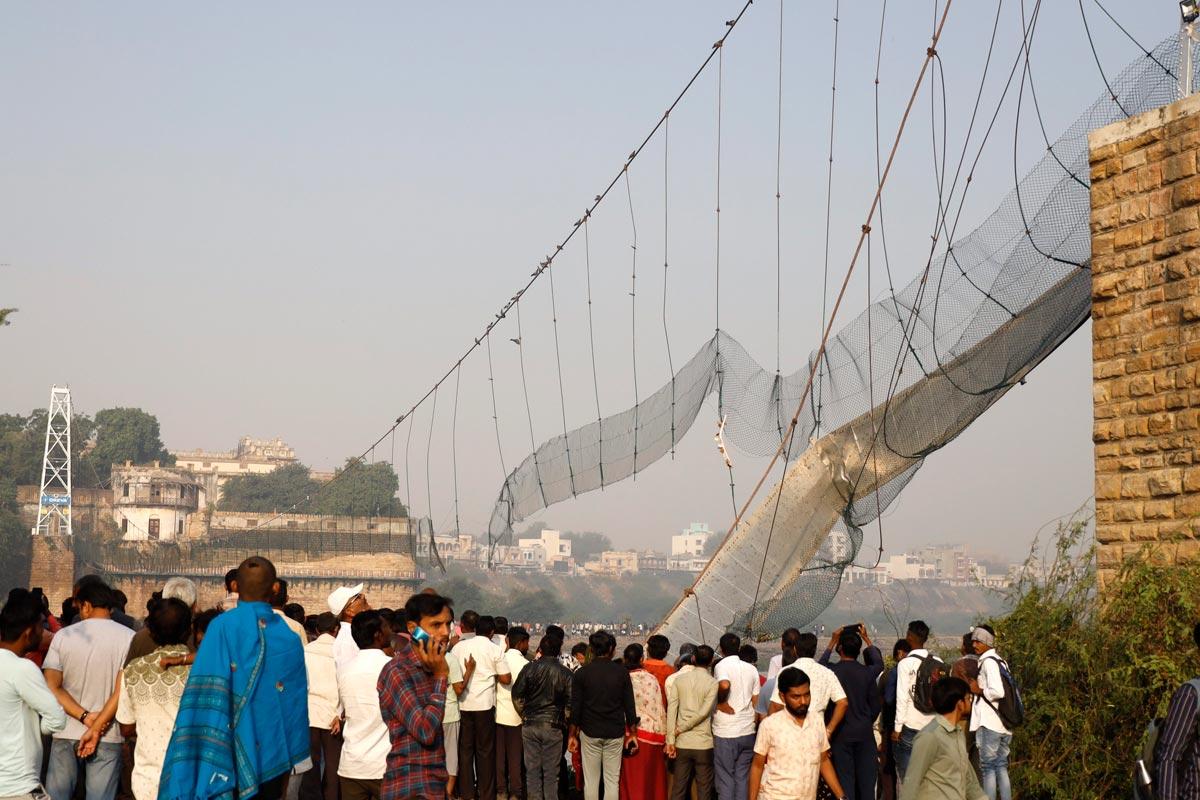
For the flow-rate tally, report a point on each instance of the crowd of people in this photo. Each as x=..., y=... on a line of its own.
x=256, y=698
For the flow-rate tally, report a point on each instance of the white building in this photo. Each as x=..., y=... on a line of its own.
x=691, y=541
x=910, y=567
x=154, y=503
x=548, y=549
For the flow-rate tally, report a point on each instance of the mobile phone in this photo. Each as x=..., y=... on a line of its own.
x=419, y=634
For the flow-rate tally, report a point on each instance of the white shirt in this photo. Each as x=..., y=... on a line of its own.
x=344, y=648
x=907, y=715
x=323, y=701
x=743, y=687
x=296, y=627
x=671, y=678
x=822, y=682
x=90, y=655
x=451, y=713
x=506, y=713
x=992, y=688
x=793, y=754
x=774, y=665
x=149, y=699
x=24, y=698
x=499, y=640
x=365, y=741
x=480, y=694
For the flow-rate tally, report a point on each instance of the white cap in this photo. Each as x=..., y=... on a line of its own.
x=340, y=596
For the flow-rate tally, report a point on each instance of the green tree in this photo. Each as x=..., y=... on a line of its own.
x=1094, y=667
x=465, y=593
x=278, y=490
x=360, y=489
x=124, y=434
x=4, y=314
x=539, y=605
x=586, y=545
x=22, y=440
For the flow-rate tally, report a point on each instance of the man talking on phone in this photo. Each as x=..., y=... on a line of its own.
x=412, y=701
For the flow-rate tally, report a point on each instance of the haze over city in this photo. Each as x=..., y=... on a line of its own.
x=292, y=226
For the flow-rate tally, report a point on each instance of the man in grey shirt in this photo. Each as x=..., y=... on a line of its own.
x=82, y=667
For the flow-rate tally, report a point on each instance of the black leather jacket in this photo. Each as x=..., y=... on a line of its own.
x=542, y=692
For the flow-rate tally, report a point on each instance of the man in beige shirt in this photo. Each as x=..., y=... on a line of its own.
x=939, y=768
x=691, y=698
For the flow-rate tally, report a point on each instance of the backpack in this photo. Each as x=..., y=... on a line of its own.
x=932, y=670
x=1144, y=783
x=1010, y=708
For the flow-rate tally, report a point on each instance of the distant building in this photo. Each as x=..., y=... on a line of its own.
x=863, y=576
x=619, y=562
x=548, y=549
x=252, y=457
x=691, y=541
x=909, y=567
x=686, y=563
x=154, y=503
x=951, y=562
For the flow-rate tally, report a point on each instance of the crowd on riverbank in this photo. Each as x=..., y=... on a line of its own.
x=257, y=698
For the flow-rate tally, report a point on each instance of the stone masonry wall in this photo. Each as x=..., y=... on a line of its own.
x=1145, y=221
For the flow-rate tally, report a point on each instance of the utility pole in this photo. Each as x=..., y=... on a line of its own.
x=1189, y=12
x=54, y=499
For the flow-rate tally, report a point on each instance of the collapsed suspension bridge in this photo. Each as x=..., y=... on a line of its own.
x=851, y=427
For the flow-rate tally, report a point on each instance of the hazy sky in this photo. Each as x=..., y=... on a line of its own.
x=290, y=219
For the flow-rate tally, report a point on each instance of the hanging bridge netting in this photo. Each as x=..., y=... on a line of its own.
x=897, y=383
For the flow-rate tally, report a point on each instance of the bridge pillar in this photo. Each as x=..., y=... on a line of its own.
x=52, y=566
x=1145, y=222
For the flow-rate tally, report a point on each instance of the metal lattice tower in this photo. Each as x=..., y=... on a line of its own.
x=54, y=500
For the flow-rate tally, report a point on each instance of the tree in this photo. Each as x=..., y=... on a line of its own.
x=465, y=593
x=585, y=545
x=22, y=440
x=4, y=314
x=124, y=434
x=539, y=605
x=360, y=489
x=278, y=490
x=712, y=543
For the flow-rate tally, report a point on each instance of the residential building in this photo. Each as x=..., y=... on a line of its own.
x=547, y=549
x=154, y=503
x=252, y=457
x=691, y=541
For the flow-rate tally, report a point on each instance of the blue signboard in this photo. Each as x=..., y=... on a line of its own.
x=56, y=499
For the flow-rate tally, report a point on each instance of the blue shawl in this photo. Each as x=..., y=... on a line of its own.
x=243, y=718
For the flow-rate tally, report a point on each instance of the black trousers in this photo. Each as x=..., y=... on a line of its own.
x=321, y=782
x=693, y=765
x=477, y=755
x=509, y=760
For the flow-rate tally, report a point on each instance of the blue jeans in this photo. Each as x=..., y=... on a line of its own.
x=993, y=762
x=901, y=750
x=856, y=764
x=731, y=766
x=101, y=772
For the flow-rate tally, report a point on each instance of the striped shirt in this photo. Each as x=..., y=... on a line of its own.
x=1177, y=762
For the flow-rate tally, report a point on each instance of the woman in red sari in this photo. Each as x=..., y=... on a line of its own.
x=644, y=771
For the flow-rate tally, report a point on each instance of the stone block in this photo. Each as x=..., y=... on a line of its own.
x=1166, y=482
x=1191, y=309
x=1129, y=511
x=1158, y=509
x=1108, y=487
x=1185, y=193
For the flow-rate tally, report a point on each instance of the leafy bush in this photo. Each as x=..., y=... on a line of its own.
x=1094, y=666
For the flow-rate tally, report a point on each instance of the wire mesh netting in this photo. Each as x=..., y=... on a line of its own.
x=897, y=383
